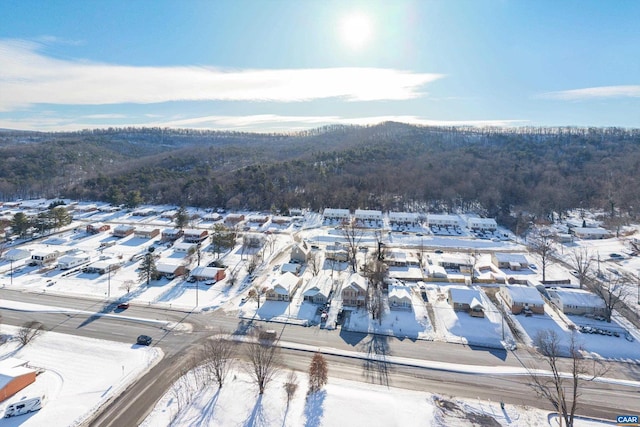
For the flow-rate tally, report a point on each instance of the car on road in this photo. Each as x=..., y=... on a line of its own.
x=438, y=251
x=144, y=340
x=123, y=305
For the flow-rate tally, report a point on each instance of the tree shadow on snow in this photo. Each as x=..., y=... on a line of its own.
x=257, y=417
x=375, y=367
x=313, y=408
x=208, y=412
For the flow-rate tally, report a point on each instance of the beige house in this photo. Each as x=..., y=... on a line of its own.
x=300, y=252
x=282, y=287
x=399, y=297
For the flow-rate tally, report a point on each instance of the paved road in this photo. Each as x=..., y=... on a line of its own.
x=180, y=334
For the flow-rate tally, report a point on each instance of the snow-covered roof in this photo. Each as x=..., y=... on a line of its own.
x=524, y=294
x=165, y=267
x=290, y=268
x=465, y=295
x=576, y=297
x=399, y=292
x=206, y=272
x=510, y=258
x=592, y=231
x=336, y=212
x=319, y=284
x=356, y=281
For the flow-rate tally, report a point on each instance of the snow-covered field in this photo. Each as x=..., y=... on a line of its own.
x=79, y=375
x=340, y=403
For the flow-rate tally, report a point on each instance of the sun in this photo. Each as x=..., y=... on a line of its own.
x=356, y=30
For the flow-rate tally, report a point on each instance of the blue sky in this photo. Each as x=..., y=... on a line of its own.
x=276, y=65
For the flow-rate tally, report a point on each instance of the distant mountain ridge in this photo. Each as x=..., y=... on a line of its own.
x=499, y=172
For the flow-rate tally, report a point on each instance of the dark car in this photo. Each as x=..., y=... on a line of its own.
x=144, y=340
x=123, y=305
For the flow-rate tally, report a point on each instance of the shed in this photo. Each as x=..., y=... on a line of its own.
x=14, y=376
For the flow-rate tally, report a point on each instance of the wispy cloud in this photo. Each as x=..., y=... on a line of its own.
x=250, y=123
x=28, y=77
x=629, y=91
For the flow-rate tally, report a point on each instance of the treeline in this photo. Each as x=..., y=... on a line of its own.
x=391, y=166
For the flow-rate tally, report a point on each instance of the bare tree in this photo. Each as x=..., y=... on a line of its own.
x=314, y=263
x=582, y=261
x=353, y=235
x=562, y=391
x=375, y=271
x=252, y=265
x=29, y=331
x=318, y=373
x=291, y=386
x=541, y=243
x=264, y=358
x=127, y=285
x=612, y=289
x=218, y=356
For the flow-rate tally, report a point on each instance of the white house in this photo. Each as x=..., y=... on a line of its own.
x=319, y=290
x=282, y=287
x=342, y=215
x=436, y=220
x=590, y=232
x=368, y=217
x=68, y=262
x=44, y=257
x=336, y=253
x=300, y=252
x=184, y=247
x=399, y=297
x=509, y=261
x=403, y=218
x=576, y=301
x=482, y=224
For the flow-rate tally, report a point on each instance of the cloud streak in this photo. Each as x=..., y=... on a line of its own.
x=249, y=123
x=600, y=92
x=28, y=77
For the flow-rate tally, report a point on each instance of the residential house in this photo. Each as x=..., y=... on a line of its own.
x=590, y=233
x=338, y=215
x=399, y=297
x=170, y=271
x=146, y=232
x=577, y=301
x=208, y=273
x=509, y=261
x=171, y=234
x=44, y=257
x=97, y=227
x=68, y=262
x=282, y=287
x=280, y=220
x=468, y=300
x=354, y=291
x=195, y=235
x=233, y=219
x=290, y=267
x=482, y=224
x=336, y=253
x=300, y=252
x=366, y=217
x=395, y=259
x=185, y=248
x=258, y=219
x=462, y=263
x=440, y=221
x=403, y=219
x=522, y=299
x=319, y=290
x=103, y=266
x=123, y=230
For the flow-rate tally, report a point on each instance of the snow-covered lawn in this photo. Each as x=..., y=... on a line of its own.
x=79, y=375
x=340, y=403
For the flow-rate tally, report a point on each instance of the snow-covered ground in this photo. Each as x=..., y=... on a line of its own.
x=78, y=375
x=340, y=402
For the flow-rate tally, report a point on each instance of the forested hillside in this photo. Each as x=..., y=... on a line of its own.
x=388, y=166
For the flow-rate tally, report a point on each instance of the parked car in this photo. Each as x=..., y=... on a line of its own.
x=123, y=305
x=144, y=340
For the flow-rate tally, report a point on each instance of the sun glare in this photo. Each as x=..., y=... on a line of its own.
x=356, y=30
